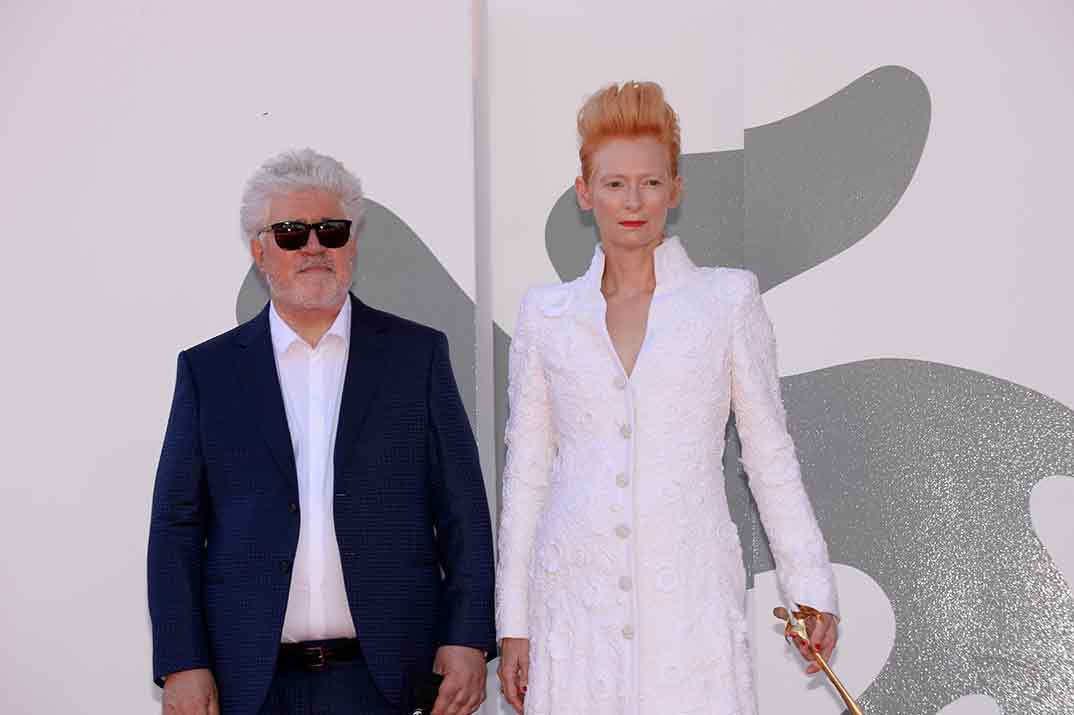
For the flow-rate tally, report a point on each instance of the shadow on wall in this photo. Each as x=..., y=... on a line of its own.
x=926, y=468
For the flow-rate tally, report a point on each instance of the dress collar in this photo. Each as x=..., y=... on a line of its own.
x=671, y=263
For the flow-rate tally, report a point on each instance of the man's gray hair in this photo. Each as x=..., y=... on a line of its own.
x=295, y=170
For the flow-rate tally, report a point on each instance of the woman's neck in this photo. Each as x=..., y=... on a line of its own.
x=629, y=272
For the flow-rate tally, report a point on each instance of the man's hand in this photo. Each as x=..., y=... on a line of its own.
x=823, y=634
x=514, y=671
x=463, y=689
x=190, y=692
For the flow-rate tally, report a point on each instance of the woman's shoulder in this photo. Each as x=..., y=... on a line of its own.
x=550, y=300
x=728, y=284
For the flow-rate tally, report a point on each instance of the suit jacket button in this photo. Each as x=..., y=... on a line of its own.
x=293, y=507
x=285, y=566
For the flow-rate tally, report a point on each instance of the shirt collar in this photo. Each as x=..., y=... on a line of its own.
x=283, y=336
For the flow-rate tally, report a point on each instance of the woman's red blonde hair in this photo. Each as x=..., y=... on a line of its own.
x=627, y=111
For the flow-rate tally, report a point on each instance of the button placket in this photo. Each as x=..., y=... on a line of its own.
x=623, y=509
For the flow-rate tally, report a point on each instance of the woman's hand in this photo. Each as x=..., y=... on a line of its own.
x=823, y=634
x=514, y=671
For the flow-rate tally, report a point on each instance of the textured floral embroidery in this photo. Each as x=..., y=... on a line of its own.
x=618, y=557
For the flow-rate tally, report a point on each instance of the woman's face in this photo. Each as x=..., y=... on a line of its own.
x=630, y=191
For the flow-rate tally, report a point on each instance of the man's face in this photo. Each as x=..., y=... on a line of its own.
x=313, y=277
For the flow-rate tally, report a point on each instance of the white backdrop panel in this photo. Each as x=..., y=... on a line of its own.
x=127, y=131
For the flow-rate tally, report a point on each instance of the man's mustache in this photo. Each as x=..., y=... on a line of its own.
x=317, y=264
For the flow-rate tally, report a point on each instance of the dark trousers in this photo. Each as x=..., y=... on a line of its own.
x=343, y=688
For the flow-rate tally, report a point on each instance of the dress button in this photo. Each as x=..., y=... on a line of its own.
x=622, y=531
x=620, y=382
x=628, y=632
x=625, y=583
x=622, y=479
x=625, y=431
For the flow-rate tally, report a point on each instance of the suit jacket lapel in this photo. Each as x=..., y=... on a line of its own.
x=257, y=368
x=364, y=374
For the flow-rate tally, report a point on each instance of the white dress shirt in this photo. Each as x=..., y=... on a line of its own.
x=311, y=379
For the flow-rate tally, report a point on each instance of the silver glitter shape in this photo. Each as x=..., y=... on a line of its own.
x=920, y=475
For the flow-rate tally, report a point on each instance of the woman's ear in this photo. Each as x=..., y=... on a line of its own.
x=676, y=192
x=581, y=190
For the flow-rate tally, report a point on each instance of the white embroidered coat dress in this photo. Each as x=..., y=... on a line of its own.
x=618, y=558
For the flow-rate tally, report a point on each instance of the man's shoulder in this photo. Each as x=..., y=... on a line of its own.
x=397, y=326
x=218, y=345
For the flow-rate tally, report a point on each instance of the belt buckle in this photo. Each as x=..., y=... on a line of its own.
x=321, y=656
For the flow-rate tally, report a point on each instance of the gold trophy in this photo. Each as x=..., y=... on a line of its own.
x=796, y=626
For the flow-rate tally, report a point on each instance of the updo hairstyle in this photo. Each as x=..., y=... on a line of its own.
x=627, y=111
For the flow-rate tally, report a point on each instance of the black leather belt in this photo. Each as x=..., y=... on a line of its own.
x=316, y=655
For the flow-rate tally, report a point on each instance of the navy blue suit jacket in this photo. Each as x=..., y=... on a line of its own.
x=409, y=502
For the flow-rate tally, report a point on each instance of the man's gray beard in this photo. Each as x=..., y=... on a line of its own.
x=308, y=302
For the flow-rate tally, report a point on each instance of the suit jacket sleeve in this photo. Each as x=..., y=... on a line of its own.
x=177, y=538
x=768, y=454
x=461, y=514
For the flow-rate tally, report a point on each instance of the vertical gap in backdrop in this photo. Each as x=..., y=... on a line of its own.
x=483, y=364
x=484, y=383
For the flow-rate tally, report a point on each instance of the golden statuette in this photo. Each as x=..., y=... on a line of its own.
x=796, y=626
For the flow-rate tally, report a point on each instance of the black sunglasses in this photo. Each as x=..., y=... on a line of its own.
x=293, y=235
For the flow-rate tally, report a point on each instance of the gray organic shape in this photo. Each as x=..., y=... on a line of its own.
x=820, y=181
x=920, y=475
x=397, y=272
x=804, y=189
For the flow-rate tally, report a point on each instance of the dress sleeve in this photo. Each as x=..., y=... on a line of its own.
x=801, y=555
x=525, y=477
